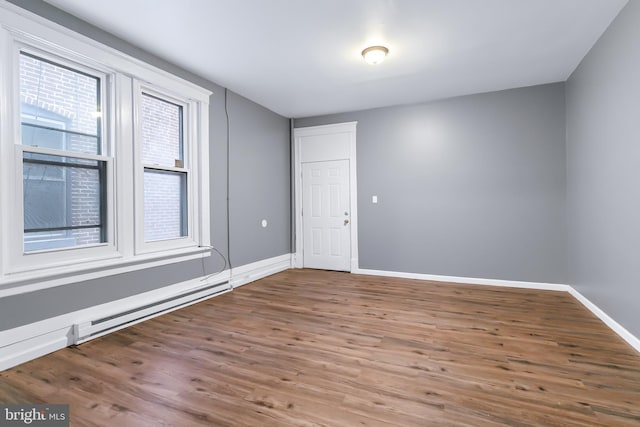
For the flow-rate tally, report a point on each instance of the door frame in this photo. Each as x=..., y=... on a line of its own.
x=345, y=151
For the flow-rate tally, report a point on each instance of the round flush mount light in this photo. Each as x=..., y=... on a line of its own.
x=375, y=54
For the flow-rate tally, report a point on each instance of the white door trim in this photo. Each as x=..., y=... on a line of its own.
x=299, y=134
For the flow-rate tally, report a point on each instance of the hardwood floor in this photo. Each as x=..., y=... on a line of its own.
x=307, y=347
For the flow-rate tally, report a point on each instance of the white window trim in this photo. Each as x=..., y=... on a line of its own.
x=19, y=28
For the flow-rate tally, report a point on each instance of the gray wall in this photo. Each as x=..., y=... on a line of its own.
x=603, y=173
x=260, y=161
x=471, y=186
x=254, y=130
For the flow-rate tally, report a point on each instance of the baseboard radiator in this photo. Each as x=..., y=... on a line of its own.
x=94, y=328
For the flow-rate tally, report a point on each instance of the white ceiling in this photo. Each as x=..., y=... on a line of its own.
x=302, y=57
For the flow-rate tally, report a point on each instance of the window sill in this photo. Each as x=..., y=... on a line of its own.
x=34, y=280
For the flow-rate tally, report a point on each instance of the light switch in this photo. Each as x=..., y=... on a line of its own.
x=374, y=199
x=263, y=223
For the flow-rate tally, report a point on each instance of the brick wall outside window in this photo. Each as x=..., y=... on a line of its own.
x=161, y=145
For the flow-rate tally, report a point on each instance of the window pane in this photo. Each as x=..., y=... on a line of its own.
x=165, y=208
x=63, y=201
x=57, y=102
x=161, y=131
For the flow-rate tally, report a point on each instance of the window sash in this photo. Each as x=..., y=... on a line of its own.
x=179, y=132
x=100, y=77
x=173, y=218
x=100, y=167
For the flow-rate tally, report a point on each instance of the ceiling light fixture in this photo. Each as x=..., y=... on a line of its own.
x=374, y=54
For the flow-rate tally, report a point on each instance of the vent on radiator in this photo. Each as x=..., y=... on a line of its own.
x=87, y=330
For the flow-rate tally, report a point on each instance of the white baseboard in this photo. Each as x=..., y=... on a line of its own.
x=257, y=270
x=34, y=347
x=466, y=280
x=615, y=326
x=24, y=343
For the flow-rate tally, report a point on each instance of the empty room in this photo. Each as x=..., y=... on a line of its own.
x=320, y=213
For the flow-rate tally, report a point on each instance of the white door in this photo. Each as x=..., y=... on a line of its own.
x=325, y=215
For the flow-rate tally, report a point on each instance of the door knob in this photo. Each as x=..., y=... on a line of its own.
x=346, y=221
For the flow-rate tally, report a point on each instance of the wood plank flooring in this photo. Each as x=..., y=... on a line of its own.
x=307, y=348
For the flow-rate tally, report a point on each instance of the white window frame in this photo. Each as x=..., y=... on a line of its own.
x=17, y=260
x=190, y=167
x=121, y=76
